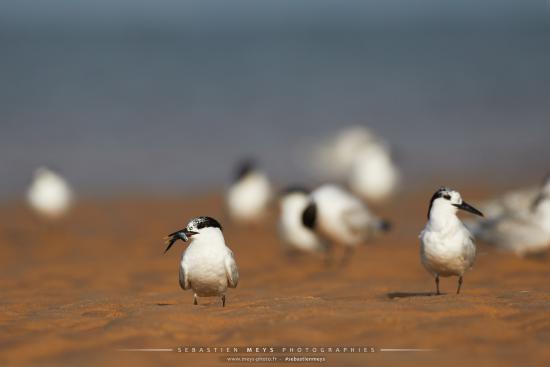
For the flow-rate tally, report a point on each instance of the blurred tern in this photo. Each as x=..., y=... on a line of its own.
x=525, y=231
x=446, y=245
x=515, y=201
x=292, y=231
x=207, y=265
x=373, y=175
x=249, y=196
x=341, y=218
x=335, y=156
x=49, y=194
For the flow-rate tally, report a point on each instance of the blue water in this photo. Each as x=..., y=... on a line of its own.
x=168, y=113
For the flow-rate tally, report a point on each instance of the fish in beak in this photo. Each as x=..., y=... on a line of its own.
x=182, y=234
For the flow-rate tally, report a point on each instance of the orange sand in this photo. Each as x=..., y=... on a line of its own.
x=74, y=292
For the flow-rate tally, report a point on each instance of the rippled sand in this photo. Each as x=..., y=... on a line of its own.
x=74, y=292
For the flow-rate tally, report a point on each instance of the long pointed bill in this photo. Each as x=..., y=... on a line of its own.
x=467, y=207
x=180, y=235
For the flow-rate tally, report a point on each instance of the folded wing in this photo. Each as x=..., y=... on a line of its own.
x=184, y=280
x=231, y=270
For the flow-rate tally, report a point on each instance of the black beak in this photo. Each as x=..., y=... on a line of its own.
x=183, y=235
x=467, y=207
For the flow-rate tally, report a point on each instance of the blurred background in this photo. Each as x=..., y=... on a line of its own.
x=141, y=104
x=164, y=96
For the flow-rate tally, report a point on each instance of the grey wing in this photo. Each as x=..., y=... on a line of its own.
x=513, y=233
x=231, y=270
x=510, y=203
x=184, y=280
x=521, y=200
x=360, y=221
x=356, y=218
x=470, y=247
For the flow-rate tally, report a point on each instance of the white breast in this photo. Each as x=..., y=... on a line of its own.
x=373, y=176
x=204, y=263
x=447, y=250
x=49, y=194
x=248, y=199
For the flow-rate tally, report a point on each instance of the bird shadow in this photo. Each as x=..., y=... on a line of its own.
x=394, y=295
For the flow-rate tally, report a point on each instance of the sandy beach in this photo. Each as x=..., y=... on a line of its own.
x=76, y=291
x=144, y=112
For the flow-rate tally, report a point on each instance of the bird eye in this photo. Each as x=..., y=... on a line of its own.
x=447, y=197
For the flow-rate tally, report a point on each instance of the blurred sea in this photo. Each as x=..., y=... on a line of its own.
x=166, y=113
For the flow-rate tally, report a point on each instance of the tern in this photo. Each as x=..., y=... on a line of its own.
x=292, y=231
x=207, y=266
x=249, y=196
x=49, y=194
x=334, y=156
x=373, y=175
x=446, y=245
x=525, y=231
x=520, y=200
x=341, y=218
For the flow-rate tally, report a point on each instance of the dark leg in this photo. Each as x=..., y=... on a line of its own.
x=223, y=300
x=328, y=256
x=195, y=302
x=347, y=256
x=292, y=255
x=437, y=284
x=459, y=284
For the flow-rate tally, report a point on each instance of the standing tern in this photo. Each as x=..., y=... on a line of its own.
x=207, y=265
x=249, y=196
x=49, y=194
x=341, y=218
x=446, y=245
x=334, y=157
x=292, y=231
x=525, y=231
x=373, y=175
x=520, y=200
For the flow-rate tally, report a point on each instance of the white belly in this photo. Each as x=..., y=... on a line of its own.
x=205, y=270
x=298, y=237
x=374, y=180
x=248, y=201
x=446, y=257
